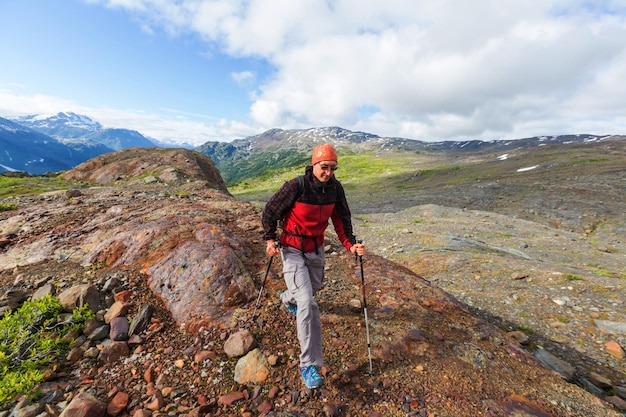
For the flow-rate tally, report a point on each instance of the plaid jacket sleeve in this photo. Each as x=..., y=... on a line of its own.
x=277, y=206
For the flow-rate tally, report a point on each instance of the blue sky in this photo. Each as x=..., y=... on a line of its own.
x=198, y=70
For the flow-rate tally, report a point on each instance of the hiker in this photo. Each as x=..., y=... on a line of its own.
x=303, y=205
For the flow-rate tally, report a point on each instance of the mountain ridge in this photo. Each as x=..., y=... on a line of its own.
x=247, y=157
x=63, y=126
x=38, y=145
x=276, y=148
x=27, y=150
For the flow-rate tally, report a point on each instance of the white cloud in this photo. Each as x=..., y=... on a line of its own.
x=12, y=104
x=433, y=70
x=170, y=126
x=436, y=70
x=243, y=77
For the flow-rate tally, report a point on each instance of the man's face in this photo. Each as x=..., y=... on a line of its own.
x=324, y=170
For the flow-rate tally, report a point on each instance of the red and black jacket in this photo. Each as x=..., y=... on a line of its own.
x=304, y=210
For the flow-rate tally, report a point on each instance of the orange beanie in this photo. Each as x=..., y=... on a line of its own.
x=324, y=152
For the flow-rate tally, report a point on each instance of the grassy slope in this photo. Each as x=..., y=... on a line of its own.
x=355, y=172
x=370, y=177
x=14, y=187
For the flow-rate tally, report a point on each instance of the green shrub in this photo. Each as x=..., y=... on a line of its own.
x=573, y=277
x=32, y=185
x=31, y=338
x=8, y=206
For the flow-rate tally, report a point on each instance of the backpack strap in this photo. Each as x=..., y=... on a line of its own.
x=300, y=185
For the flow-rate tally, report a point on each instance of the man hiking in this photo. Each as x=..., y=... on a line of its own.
x=304, y=205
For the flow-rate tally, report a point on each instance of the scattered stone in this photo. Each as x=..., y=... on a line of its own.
x=616, y=401
x=589, y=386
x=230, y=399
x=46, y=289
x=113, y=351
x=252, y=367
x=111, y=285
x=27, y=409
x=91, y=353
x=80, y=295
x=599, y=380
x=264, y=407
x=157, y=402
x=122, y=296
x=99, y=333
x=85, y=405
x=560, y=339
x=332, y=410
x=612, y=327
x=118, y=309
x=118, y=404
x=14, y=298
x=273, y=392
x=141, y=321
x=119, y=329
x=355, y=304
x=148, y=375
x=521, y=337
x=564, y=300
x=519, y=275
x=614, y=350
x=73, y=193
x=75, y=354
x=567, y=371
x=239, y=343
x=204, y=355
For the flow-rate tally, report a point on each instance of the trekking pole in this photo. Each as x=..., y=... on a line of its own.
x=267, y=270
x=367, y=326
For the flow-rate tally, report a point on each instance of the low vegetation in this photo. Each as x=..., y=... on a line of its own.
x=374, y=176
x=8, y=206
x=30, y=185
x=263, y=161
x=32, y=338
x=362, y=171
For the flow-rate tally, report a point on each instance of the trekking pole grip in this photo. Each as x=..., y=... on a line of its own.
x=356, y=255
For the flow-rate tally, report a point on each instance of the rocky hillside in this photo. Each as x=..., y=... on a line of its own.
x=169, y=251
x=148, y=165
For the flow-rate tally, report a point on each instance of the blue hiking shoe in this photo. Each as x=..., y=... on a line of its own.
x=311, y=376
x=291, y=308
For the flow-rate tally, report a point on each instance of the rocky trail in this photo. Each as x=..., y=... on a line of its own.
x=471, y=313
x=432, y=356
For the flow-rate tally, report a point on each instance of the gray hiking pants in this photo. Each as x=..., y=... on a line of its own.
x=304, y=279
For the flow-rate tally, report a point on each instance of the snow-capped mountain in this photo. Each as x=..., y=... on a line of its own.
x=24, y=149
x=47, y=143
x=67, y=125
x=60, y=125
